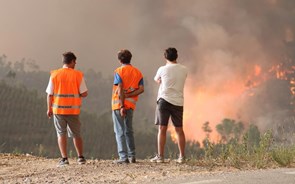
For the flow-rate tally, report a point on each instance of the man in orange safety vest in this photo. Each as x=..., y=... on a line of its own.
x=64, y=91
x=128, y=84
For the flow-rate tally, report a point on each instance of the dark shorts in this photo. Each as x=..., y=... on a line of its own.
x=165, y=110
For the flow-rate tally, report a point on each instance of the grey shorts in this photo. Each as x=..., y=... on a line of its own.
x=67, y=124
x=165, y=110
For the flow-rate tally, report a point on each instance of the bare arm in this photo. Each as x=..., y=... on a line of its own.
x=157, y=78
x=121, y=94
x=135, y=92
x=49, y=105
x=121, y=99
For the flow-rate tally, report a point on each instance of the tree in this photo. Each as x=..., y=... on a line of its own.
x=11, y=74
x=19, y=65
x=207, y=129
x=253, y=135
x=230, y=130
x=225, y=129
x=238, y=130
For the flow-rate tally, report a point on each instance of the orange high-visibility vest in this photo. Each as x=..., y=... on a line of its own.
x=130, y=76
x=66, y=95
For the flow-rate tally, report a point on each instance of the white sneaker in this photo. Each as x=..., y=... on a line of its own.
x=81, y=160
x=63, y=162
x=157, y=159
x=180, y=160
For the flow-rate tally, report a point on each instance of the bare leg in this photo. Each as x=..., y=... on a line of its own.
x=78, y=142
x=181, y=140
x=161, y=139
x=62, y=144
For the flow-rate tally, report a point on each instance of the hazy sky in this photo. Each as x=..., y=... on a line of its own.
x=96, y=29
x=93, y=29
x=226, y=44
x=42, y=30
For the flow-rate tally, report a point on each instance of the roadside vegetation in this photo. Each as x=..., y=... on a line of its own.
x=243, y=147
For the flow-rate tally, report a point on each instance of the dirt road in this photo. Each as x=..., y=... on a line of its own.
x=30, y=169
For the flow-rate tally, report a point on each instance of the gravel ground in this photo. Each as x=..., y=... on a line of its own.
x=31, y=169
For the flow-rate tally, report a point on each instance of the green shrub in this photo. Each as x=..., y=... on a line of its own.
x=284, y=156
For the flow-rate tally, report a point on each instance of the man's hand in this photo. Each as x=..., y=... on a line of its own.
x=123, y=111
x=158, y=81
x=49, y=113
x=136, y=92
x=49, y=105
x=85, y=94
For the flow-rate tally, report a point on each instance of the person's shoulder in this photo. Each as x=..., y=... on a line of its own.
x=120, y=68
x=138, y=71
x=135, y=68
x=163, y=67
x=78, y=72
x=55, y=72
x=182, y=66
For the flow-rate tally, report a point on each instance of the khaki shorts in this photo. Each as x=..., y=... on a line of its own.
x=67, y=124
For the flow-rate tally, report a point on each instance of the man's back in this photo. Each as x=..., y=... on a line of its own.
x=130, y=76
x=172, y=83
x=66, y=93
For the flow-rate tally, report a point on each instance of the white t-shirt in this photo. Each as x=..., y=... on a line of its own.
x=82, y=89
x=172, y=78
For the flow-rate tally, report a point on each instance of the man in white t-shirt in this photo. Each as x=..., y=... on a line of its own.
x=171, y=78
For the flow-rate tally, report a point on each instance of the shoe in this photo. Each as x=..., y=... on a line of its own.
x=180, y=160
x=157, y=159
x=63, y=162
x=132, y=160
x=121, y=161
x=81, y=160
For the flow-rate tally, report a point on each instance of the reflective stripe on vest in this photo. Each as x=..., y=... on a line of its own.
x=67, y=95
x=66, y=107
x=127, y=99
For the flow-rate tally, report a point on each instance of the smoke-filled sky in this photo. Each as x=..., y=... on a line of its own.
x=224, y=43
x=220, y=32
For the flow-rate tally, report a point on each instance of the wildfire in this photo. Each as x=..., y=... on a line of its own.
x=206, y=103
x=285, y=73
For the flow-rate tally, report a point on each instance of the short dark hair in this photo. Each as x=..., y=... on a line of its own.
x=171, y=54
x=124, y=56
x=68, y=57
